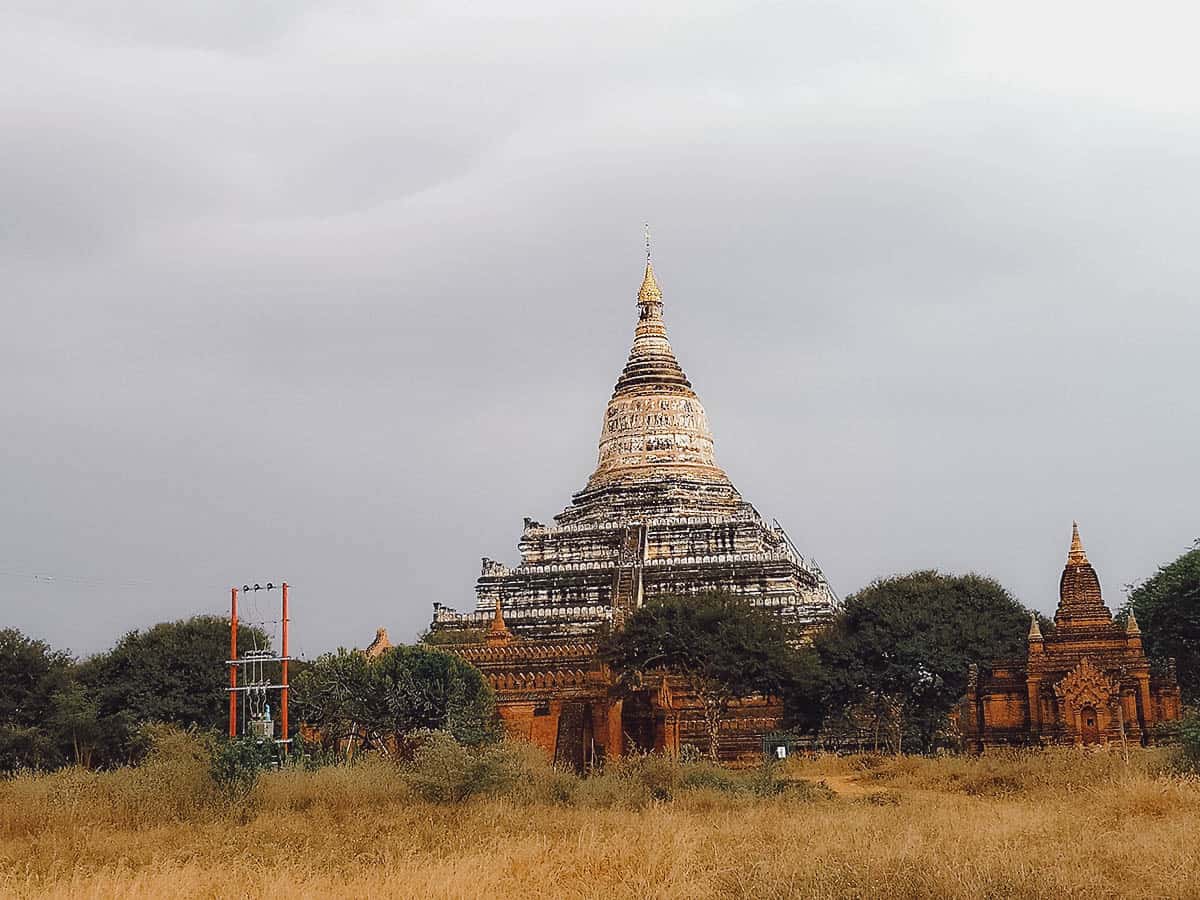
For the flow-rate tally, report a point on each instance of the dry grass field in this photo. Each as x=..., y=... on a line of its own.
x=1057, y=824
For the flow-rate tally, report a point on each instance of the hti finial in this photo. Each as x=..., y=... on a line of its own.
x=1076, y=555
x=647, y=225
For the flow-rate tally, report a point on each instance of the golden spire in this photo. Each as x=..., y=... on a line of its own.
x=650, y=292
x=1076, y=556
x=1131, y=625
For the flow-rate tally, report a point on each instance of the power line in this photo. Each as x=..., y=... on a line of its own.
x=66, y=578
x=50, y=578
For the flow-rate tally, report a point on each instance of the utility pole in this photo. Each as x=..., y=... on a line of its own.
x=255, y=683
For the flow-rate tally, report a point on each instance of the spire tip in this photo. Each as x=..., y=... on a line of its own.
x=1076, y=555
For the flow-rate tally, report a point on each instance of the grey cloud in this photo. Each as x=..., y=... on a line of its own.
x=338, y=294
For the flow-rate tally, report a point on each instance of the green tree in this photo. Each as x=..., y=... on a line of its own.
x=1167, y=608
x=74, y=721
x=333, y=695
x=899, y=650
x=426, y=689
x=30, y=675
x=720, y=646
x=174, y=672
x=379, y=702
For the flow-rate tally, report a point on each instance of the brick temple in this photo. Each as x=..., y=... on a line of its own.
x=657, y=517
x=1087, y=682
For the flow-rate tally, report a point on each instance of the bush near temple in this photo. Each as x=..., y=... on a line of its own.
x=1189, y=742
x=353, y=701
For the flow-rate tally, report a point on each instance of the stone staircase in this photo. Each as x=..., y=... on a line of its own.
x=627, y=583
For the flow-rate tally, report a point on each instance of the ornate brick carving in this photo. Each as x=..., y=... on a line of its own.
x=1087, y=685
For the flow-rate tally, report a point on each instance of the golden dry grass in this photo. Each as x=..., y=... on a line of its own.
x=1020, y=825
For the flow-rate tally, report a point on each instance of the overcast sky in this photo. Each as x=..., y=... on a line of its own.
x=336, y=293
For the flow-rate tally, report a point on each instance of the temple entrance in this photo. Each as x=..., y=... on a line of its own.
x=573, y=746
x=1089, y=727
x=637, y=721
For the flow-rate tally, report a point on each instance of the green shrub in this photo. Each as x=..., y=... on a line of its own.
x=236, y=763
x=656, y=773
x=609, y=789
x=707, y=775
x=1189, y=743
x=444, y=771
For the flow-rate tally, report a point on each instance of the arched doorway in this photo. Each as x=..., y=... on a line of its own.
x=1089, y=725
x=637, y=721
x=573, y=746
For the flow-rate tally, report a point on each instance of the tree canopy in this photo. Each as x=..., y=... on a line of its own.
x=1167, y=608
x=379, y=702
x=722, y=647
x=899, y=649
x=173, y=672
x=31, y=675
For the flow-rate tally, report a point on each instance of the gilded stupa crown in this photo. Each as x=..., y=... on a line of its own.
x=655, y=425
x=650, y=291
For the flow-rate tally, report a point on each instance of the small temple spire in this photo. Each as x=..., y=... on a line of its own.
x=1035, y=631
x=1076, y=556
x=379, y=646
x=498, y=632
x=1131, y=625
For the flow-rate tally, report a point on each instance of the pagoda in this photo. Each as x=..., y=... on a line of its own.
x=1086, y=682
x=658, y=517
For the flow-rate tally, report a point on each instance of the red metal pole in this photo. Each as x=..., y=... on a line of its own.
x=233, y=666
x=283, y=699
